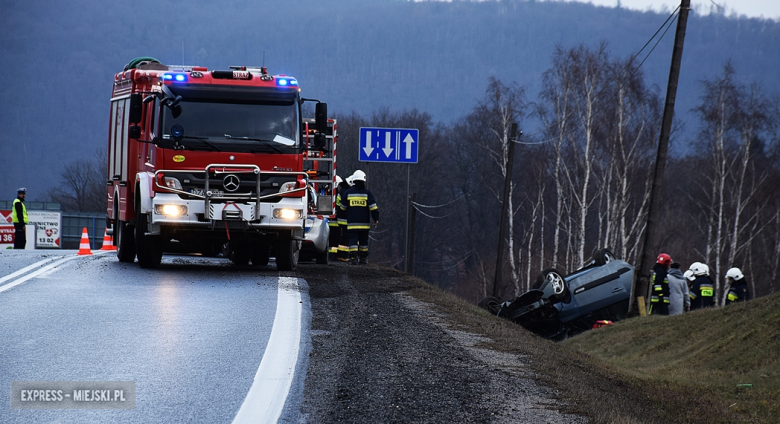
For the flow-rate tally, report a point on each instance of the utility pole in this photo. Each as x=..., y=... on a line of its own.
x=504, y=210
x=648, y=244
x=413, y=230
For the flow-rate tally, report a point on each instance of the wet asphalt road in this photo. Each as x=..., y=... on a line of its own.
x=191, y=334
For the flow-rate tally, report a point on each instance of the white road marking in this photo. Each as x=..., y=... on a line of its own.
x=265, y=401
x=37, y=273
x=23, y=270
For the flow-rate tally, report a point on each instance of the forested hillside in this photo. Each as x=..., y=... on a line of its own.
x=358, y=55
x=460, y=72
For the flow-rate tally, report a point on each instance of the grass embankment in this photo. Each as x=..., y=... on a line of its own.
x=705, y=353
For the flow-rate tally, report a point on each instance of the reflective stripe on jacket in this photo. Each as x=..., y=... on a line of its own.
x=360, y=207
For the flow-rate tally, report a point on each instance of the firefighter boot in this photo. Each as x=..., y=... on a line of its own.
x=363, y=260
x=354, y=260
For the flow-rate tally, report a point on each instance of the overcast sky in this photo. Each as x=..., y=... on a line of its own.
x=753, y=8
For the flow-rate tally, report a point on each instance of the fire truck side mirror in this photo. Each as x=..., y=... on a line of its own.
x=134, y=132
x=136, y=108
x=321, y=117
x=319, y=141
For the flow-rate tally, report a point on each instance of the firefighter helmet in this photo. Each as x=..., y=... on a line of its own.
x=338, y=180
x=664, y=259
x=689, y=275
x=699, y=269
x=735, y=273
x=359, y=176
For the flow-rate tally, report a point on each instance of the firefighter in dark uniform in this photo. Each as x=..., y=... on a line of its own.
x=659, y=297
x=333, y=224
x=739, y=288
x=19, y=219
x=341, y=217
x=702, y=291
x=361, y=209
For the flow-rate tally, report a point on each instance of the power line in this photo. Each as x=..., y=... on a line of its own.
x=665, y=27
x=473, y=187
x=431, y=216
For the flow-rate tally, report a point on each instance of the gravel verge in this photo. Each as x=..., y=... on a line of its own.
x=384, y=351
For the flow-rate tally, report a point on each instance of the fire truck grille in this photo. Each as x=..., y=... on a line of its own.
x=231, y=212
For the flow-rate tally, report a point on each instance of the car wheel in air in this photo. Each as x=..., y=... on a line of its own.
x=490, y=304
x=604, y=257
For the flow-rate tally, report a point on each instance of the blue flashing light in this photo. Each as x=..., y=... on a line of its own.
x=175, y=77
x=283, y=82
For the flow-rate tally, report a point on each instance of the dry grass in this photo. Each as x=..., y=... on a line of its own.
x=648, y=370
x=709, y=352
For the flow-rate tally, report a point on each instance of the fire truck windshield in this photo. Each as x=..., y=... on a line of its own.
x=240, y=127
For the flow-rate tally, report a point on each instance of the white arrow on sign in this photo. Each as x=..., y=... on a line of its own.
x=388, y=148
x=368, y=149
x=408, y=141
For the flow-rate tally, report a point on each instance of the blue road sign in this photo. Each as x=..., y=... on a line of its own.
x=396, y=145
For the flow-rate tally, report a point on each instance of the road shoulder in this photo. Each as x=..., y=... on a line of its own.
x=385, y=350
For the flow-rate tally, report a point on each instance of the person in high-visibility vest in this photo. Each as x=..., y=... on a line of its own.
x=361, y=208
x=702, y=291
x=738, y=292
x=659, y=295
x=19, y=219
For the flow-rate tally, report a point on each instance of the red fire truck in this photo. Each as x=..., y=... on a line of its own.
x=215, y=162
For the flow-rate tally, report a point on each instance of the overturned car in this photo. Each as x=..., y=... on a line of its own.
x=558, y=306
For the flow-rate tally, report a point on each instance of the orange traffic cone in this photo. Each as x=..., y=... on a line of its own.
x=84, y=246
x=107, y=243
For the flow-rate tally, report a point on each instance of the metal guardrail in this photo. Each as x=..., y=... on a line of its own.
x=74, y=222
x=36, y=206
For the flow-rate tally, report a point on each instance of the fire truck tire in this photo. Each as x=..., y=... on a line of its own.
x=147, y=248
x=322, y=257
x=125, y=244
x=239, y=257
x=261, y=254
x=287, y=253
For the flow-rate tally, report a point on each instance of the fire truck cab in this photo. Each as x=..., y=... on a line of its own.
x=215, y=162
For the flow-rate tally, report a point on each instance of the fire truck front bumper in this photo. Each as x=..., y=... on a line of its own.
x=171, y=209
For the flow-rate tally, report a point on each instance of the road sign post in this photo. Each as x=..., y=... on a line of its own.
x=392, y=145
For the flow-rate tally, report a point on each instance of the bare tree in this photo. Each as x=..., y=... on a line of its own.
x=82, y=187
x=733, y=119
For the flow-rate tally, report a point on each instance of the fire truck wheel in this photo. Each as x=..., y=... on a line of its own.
x=240, y=257
x=260, y=255
x=125, y=245
x=147, y=248
x=287, y=252
x=322, y=257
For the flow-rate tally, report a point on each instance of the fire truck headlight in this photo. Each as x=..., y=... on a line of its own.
x=171, y=182
x=290, y=186
x=288, y=214
x=170, y=210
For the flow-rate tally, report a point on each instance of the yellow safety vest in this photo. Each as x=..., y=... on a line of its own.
x=14, y=217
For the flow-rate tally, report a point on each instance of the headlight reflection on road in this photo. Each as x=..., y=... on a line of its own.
x=167, y=314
